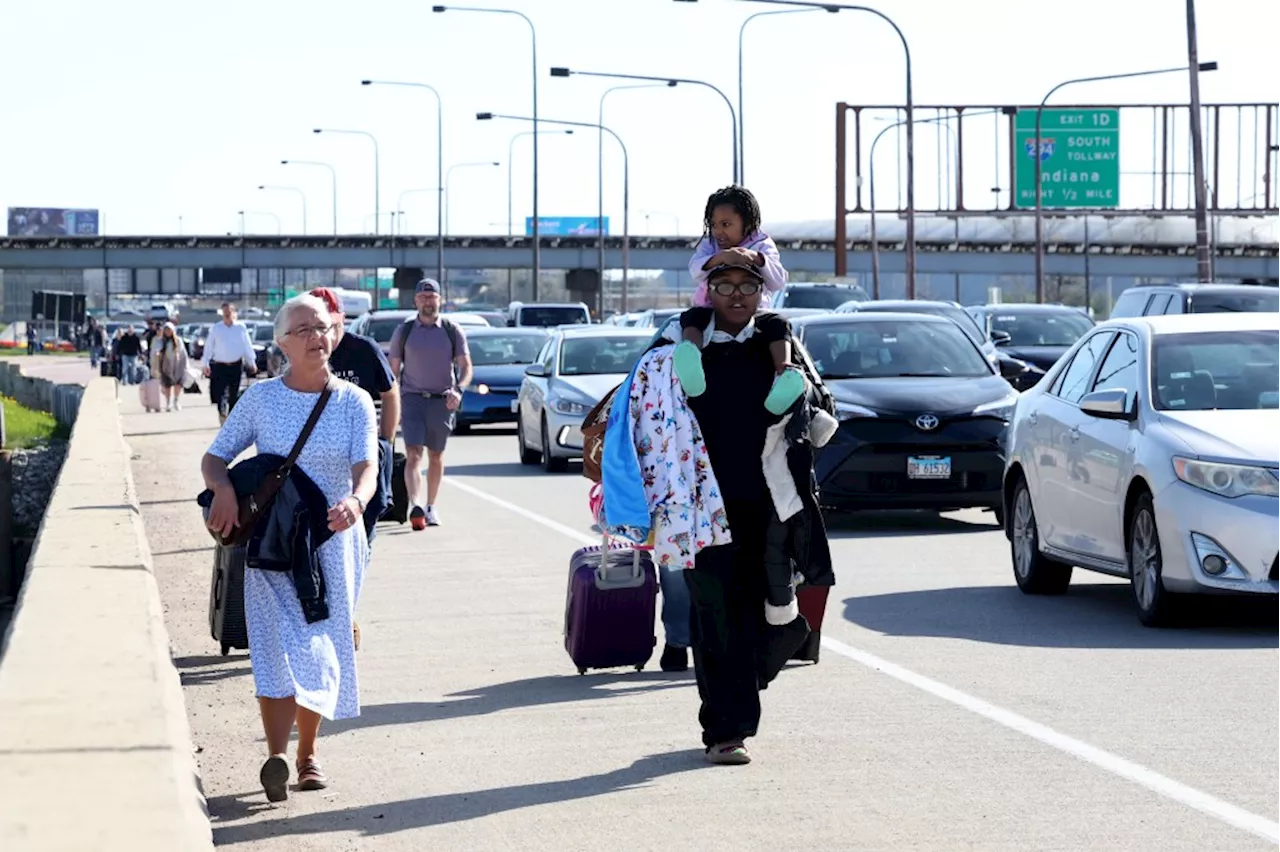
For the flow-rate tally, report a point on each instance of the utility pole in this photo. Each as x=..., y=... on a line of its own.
x=1204, y=264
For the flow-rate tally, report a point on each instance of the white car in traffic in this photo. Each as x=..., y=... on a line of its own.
x=1150, y=451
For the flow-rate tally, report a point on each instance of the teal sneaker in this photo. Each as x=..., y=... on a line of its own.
x=687, y=360
x=785, y=391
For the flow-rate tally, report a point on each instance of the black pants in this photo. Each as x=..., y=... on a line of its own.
x=727, y=591
x=225, y=378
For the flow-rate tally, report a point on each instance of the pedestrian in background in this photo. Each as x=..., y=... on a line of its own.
x=228, y=350
x=430, y=359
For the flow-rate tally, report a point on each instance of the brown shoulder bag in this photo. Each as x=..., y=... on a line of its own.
x=253, y=506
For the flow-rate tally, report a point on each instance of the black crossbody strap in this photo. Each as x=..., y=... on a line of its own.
x=310, y=425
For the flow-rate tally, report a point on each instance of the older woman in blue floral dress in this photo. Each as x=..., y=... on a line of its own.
x=303, y=671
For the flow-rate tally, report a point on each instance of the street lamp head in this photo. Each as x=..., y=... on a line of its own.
x=260, y=186
x=560, y=72
x=671, y=84
x=484, y=116
x=437, y=8
x=1208, y=66
x=366, y=82
x=284, y=162
x=496, y=163
x=317, y=130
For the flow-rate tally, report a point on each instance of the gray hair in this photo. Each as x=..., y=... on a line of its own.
x=304, y=300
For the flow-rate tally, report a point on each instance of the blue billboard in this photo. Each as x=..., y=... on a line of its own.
x=566, y=226
x=52, y=222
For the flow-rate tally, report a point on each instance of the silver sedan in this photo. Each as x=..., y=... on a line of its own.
x=576, y=368
x=1149, y=452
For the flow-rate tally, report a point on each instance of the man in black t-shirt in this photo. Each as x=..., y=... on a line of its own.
x=359, y=360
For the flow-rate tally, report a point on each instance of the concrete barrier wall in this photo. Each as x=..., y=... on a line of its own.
x=60, y=400
x=95, y=749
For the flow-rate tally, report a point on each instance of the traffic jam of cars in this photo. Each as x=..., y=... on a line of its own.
x=1142, y=447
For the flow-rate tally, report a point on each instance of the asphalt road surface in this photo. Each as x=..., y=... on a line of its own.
x=949, y=711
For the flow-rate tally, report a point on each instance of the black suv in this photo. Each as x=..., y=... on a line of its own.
x=813, y=294
x=1149, y=300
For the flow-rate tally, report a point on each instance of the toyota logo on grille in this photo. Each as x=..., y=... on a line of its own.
x=926, y=422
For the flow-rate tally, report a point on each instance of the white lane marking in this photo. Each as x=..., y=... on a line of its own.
x=541, y=520
x=1113, y=763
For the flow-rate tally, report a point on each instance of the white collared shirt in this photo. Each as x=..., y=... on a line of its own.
x=228, y=344
x=711, y=335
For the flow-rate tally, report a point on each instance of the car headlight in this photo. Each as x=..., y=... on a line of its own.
x=1002, y=407
x=1228, y=480
x=849, y=411
x=482, y=389
x=568, y=406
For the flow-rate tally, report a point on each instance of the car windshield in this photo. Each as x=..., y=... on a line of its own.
x=1201, y=371
x=822, y=298
x=264, y=333
x=878, y=349
x=544, y=317
x=597, y=355
x=660, y=317
x=381, y=329
x=1233, y=303
x=491, y=349
x=957, y=315
x=1041, y=328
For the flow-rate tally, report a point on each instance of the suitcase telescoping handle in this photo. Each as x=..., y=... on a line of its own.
x=603, y=578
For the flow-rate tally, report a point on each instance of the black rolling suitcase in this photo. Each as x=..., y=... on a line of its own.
x=226, y=599
x=398, y=508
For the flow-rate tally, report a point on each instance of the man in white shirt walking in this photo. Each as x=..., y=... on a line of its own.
x=227, y=351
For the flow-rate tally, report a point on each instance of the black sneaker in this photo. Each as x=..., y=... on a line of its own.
x=674, y=659
x=418, y=518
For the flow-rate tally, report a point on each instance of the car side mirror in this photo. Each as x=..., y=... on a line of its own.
x=1011, y=367
x=1110, y=404
x=536, y=370
x=1001, y=338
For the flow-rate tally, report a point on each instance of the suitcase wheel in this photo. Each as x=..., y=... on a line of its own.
x=581, y=670
x=640, y=667
x=225, y=649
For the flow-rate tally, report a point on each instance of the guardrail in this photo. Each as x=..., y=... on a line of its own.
x=95, y=749
x=62, y=400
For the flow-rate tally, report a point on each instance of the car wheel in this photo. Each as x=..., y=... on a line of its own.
x=1035, y=573
x=527, y=456
x=550, y=462
x=461, y=428
x=1146, y=567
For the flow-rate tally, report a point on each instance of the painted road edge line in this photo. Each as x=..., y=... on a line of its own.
x=1160, y=784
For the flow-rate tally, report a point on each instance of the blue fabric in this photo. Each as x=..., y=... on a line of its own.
x=626, y=508
x=382, y=497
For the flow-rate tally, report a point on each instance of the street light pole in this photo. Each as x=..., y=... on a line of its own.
x=377, y=208
x=333, y=177
x=911, y=139
x=448, y=176
x=1039, y=215
x=301, y=195
x=742, y=130
x=439, y=166
x=600, y=234
x=670, y=81
x=533, y=36
x=1204, y=256
x=626, y=184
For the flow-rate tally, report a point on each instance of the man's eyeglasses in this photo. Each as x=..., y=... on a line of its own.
x=307, y=331
x=728, y=288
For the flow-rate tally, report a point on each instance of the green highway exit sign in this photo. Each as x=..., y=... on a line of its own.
x=1079, y=151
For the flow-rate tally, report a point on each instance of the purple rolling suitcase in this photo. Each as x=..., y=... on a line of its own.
x=610, y=609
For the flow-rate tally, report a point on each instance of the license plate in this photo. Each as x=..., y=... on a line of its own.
x=934, y=467
x=515, y=406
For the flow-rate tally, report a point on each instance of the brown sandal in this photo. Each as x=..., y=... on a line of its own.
x=311, y=776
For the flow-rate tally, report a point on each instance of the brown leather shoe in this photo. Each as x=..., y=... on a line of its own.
x=311, y=776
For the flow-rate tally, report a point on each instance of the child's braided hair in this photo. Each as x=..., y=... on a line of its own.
x=742, y=202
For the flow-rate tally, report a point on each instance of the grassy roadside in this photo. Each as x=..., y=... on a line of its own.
x=26, y=427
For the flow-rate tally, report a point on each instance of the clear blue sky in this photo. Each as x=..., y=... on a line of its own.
x=151, y=109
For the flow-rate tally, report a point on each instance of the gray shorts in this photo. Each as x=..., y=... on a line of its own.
x=425, y=422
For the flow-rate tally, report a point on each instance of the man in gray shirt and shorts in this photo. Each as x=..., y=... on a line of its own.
x=429, y=357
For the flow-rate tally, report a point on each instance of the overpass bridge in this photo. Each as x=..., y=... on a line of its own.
x=1244, y=246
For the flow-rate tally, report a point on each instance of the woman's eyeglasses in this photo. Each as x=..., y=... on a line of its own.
x=728, y=288
x=308, y=331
